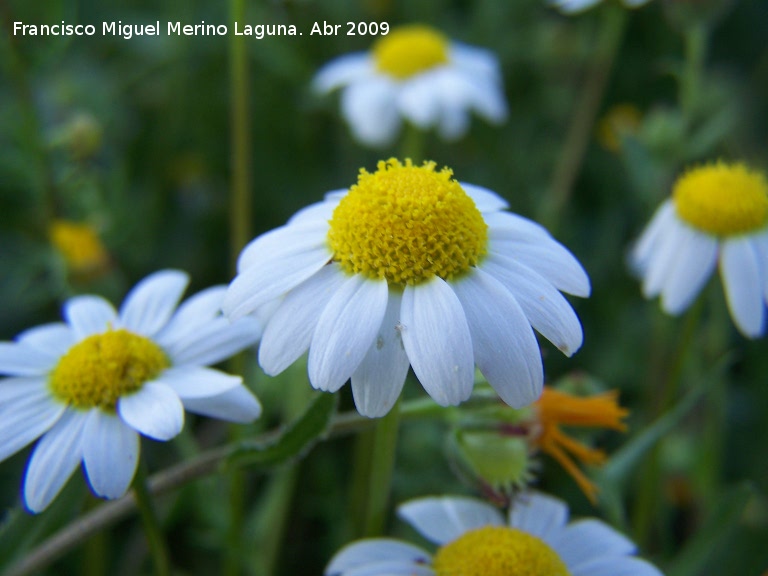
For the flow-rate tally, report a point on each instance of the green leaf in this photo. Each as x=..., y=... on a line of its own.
x=293, y=441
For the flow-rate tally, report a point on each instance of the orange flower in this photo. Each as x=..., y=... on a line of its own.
x=557, y=408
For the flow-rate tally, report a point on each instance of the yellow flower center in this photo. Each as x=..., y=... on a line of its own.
x=407, y=224
x=722, y=199
x=97, y=371
x=498, y=551
x=409, y=50
x=78, y=244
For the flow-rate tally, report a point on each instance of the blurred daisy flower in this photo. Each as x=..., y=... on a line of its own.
x=79, y=245
x=718, y=215
x=475, y=539
x=575, y=6
x=417, y=74
x=91, y=385
x=410, y=267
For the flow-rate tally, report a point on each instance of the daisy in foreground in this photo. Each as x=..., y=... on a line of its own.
x=91, y=385
x=414, y=73
x=574, y=6
x=718, y=214
x=474, y=539
x=410, y=267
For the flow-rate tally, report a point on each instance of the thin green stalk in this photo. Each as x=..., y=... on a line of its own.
x=572, y=154
x=695, y=37
x=413, y=144
x=152, y=528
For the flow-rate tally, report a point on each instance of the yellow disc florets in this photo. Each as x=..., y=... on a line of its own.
x=100, y=369
x=722, y=199
x=407, y=224
x=498, y=551
x=409, y=50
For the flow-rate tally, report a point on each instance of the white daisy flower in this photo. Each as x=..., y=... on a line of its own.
x=417, y=74
x=474, y=539
x=410, y=267
x=91, y=385
x=575, y=6
x=718, y=215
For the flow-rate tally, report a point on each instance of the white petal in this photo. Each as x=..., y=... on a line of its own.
x=616, y=567
x=511, y=226
x=197, y=382
x=216, y=341
x=369, y=108
x=662, y=261
x=648, y=242
x=760, y=243
x=546, y=309
x=485, y=200
x=574, y=6
x=52, y=339
x=154, y=411
x=257, y=286
x=503, y=341
x=419, y=101
x=151, y=303
x=318, y=213
x=194, y=313
x=477, y=61
x=391, y=568
x=377, y=382
x=237, y=404
x=588, y=540
x=289, y=331
x=281, y=243
x=436, y=337
x=110, y=453
x=89, y=315
x=694, y=263
x=24, y=360
x=54, y=460
x=26, y=412
x=342, y=71
x=539, y=515
x=442, y=520
x=345, y=331
x=740, y=271
x=372, y=551
x=454, y=122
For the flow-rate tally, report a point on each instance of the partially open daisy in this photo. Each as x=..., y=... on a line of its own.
x=410, y=267
x=475, y=539
x=575, y=6
x=718, y=214
x=417, y=74
x=91, y=385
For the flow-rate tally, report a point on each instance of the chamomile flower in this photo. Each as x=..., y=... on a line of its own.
x=417, y=74
x=91, y=385
x=410, y=268
x=718, y=215
x=575, y=6
x=475, y=539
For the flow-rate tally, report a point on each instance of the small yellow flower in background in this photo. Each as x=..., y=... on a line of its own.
x=555, y=409
x=718, y=215
x=619, y=121
x=80, y=246
x=575, y=6
x=475, y=539
x=417, y=74
x=410, y=267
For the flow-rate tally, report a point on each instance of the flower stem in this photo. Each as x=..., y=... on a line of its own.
x=695, y=38
x=152, y=529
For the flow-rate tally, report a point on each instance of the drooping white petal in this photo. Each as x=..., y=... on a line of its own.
x=503, y=341
x=546, y=309
x=237, y=404
x=539, y=515
x=476, y=61
x=257, y=286
x=418, y=101
x=662, y=260
x=53, y=460
x=370, y=110
x=289, y=331
x=342, y=71
x=110, y=453
x=587, y=540
x=485, y=200
x=694, y=263
x=155, y=411
x=26, y=412
x=151, y=303
x=89, y=315
x=760, y=243
x=345, y=330
x=454, y=121
x=441, y=520
x=52, y=339
x=216, y=341
x=197, y=381
x=18, y=359
x=378, y=381
x=192, y=314
x=391, y=568
x=648, y=243
x=282, y=243
x=611, y=566
x=740, y=271
x=373, y=551
x=436, y=338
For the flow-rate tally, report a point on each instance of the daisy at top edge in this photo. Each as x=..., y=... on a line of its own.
x=474, y=538
x=90, y=385
x=417, y=74
x=410, y=268
x=717, y=217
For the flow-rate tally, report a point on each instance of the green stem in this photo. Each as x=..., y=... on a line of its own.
x=413, y=144
x=152, y=529
x=583, y=118
x=695, y=38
